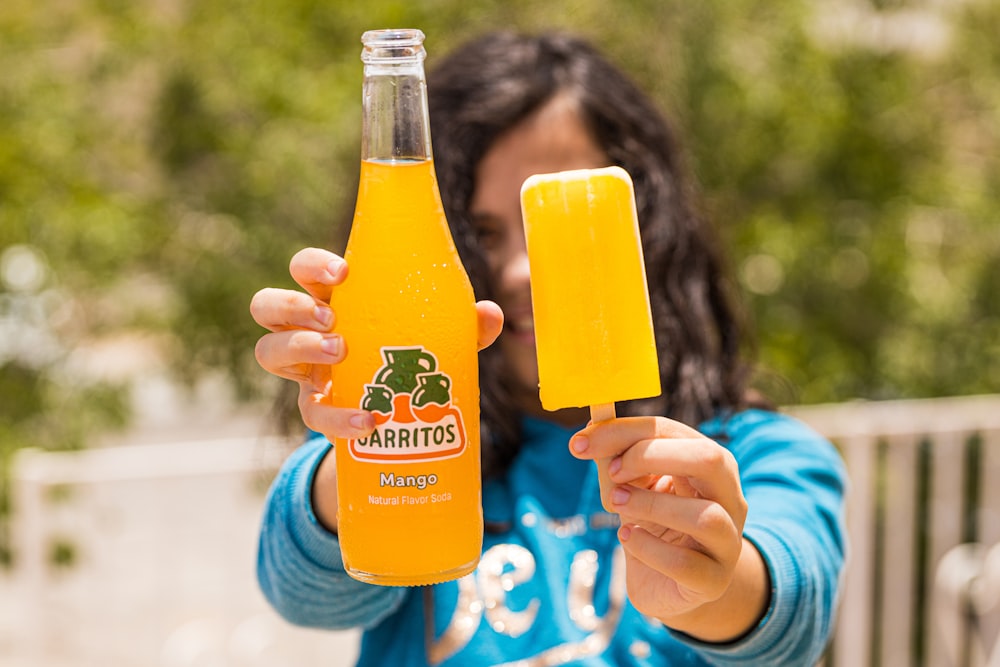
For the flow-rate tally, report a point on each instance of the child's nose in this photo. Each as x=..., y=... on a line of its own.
x=516, y=266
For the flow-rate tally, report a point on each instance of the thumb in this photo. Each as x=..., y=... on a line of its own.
x=490, y=323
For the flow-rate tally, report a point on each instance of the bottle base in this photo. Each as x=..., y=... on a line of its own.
x=418, y=579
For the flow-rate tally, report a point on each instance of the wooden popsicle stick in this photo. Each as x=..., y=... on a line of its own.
x=603, y=412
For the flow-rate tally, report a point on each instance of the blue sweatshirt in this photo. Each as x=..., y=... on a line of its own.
x=550, y=587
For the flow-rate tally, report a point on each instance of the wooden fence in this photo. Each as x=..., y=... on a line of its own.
x=143, y=555
x=923, y=581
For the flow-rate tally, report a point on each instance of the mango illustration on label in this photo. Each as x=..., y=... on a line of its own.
x=414, y=416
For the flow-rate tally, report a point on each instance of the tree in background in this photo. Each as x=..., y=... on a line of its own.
x=161, y=161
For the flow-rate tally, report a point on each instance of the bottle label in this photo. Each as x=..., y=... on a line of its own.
x=415, y=420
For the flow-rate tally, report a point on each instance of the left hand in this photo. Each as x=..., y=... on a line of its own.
x=682, y=509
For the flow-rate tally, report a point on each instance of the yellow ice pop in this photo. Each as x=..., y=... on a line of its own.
x=593, y=328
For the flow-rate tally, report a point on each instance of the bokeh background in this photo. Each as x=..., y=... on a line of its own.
x=161, y=160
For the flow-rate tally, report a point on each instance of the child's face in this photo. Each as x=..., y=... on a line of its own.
x=552, y=139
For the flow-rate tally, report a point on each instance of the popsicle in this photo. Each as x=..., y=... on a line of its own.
x=593, y=328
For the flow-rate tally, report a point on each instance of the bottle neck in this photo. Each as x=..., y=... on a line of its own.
x=395, y=124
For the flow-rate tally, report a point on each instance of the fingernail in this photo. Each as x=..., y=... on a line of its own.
x=624, y=533
x=620, y=496
x=580, y=443
x=323, y=315
x=360, y=421
x=330, y=345
x=334, y=268
x=614, y=465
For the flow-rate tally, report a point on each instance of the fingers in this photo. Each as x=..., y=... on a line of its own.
x=696, y=523
x=320, y=416
x=317, y=271
x=307, y=357
x=698, y=574
x=644, y=450
x=611, y=438
x=697, y=465
x=302, y=347
x=292, y=354
x=680, y=499
x=279, y=309
x=490, y=323
x=692, y=542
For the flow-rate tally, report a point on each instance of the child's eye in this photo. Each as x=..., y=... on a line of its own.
x=489, y=233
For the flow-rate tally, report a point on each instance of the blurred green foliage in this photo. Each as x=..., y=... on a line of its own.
x=161, y=161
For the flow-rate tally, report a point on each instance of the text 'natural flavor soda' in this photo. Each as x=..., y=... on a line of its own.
x=409, y=493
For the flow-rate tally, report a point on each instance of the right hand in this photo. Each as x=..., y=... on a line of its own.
x=302, y=346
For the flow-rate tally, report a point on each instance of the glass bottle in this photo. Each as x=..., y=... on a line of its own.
x=409, y=495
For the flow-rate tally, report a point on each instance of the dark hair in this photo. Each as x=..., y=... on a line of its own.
x=489, y=85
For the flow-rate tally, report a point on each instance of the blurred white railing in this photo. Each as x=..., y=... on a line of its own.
x=923, y=579
x=157, y=546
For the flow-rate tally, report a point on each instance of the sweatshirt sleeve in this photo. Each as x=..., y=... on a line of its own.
x=794, y=481
x=299, y=566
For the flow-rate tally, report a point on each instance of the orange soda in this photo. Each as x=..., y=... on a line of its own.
x=410, y=493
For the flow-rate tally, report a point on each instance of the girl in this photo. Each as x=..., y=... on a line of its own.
x=731, y=541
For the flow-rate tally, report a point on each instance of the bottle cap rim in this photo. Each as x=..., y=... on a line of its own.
x=398, y=45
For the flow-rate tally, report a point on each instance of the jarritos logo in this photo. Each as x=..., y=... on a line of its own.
x=414, y=417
